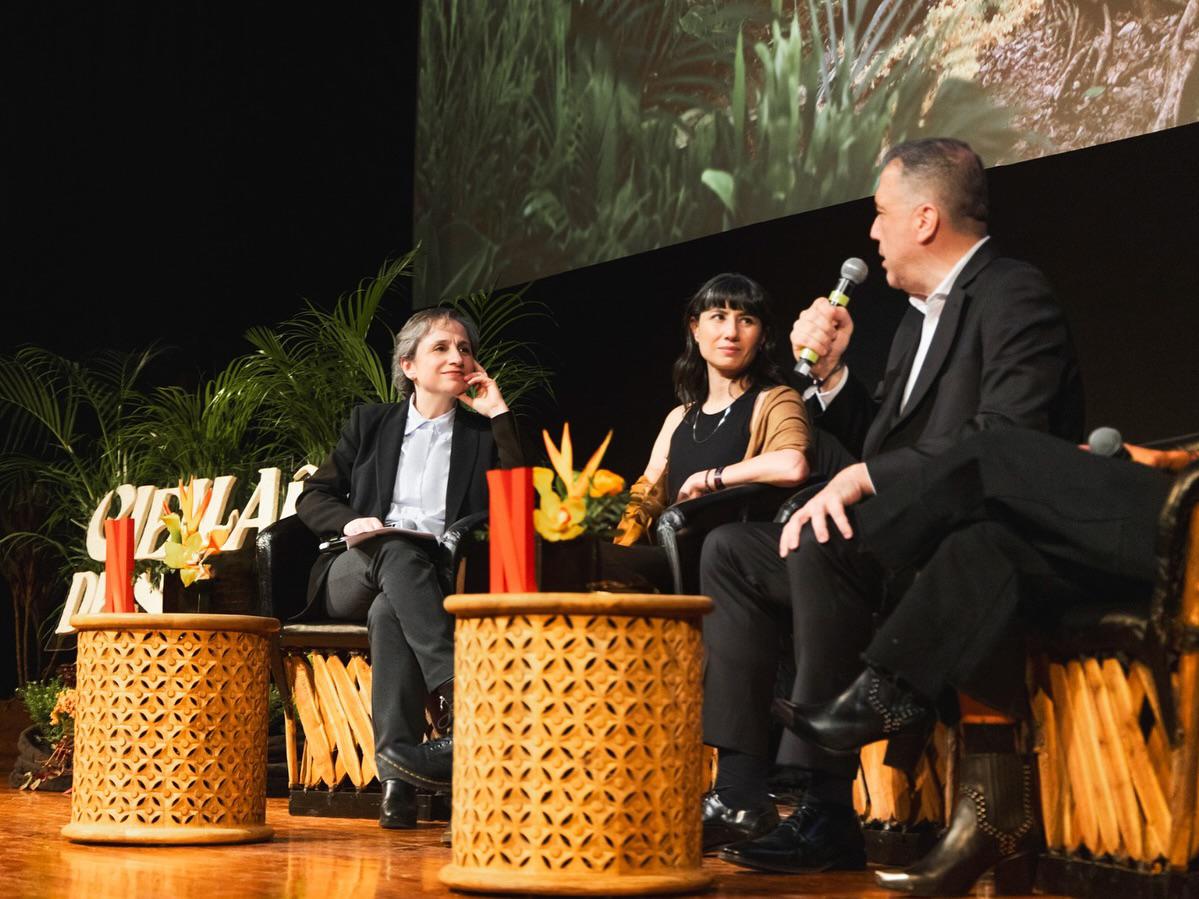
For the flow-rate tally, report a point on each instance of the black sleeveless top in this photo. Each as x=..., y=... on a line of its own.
x=703, y=441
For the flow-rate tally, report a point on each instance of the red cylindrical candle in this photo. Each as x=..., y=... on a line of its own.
x=118, y=564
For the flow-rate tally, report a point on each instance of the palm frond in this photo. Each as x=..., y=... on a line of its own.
x=313, y=368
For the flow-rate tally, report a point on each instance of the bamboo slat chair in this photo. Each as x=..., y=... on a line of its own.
x=322, y=669
x=1114, y=690
x=1115, y=697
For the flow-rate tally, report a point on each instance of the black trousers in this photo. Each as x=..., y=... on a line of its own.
x=1005, y=530
x=392, y=583
x=1006, y=519
x=825, y=595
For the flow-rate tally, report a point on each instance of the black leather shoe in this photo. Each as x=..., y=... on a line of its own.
x=994, y=828
x=724, y=824
x=429, y=765
x=398, y=809
x=817, y=837
x=871, y=708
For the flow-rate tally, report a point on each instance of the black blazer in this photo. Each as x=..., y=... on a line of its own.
x=358, y=478
x=1001, y=355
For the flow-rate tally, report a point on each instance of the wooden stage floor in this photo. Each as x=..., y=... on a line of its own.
x=321, y=858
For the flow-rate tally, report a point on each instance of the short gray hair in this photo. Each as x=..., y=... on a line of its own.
x=957, y=174
x=418, y=325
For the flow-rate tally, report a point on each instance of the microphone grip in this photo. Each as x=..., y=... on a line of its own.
x=838, y=296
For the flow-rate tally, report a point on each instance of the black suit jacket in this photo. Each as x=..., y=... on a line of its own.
x=1001, y=355
x=358, y=478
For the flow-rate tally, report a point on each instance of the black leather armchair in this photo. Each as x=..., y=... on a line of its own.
x=681, y=529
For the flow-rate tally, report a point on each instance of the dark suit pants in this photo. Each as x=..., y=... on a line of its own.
x=999, y=530
x=392, y=583
x=826, y=594
x=1005, y=530
x=961, y=624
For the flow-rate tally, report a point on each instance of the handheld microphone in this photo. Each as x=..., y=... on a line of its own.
x=1107, y=442
x=853, y=273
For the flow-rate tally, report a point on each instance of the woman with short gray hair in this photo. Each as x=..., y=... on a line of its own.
x=400, y=474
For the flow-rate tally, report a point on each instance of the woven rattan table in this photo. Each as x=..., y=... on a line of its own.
x=577, y=743
x=170, y=729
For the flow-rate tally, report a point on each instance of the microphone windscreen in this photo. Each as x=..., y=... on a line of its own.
x=1105, y=442
x=854, y=269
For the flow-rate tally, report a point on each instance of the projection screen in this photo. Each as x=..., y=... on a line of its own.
x=555, y=134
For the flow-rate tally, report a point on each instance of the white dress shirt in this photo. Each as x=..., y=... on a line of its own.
x=930, y=308
x=418, y=498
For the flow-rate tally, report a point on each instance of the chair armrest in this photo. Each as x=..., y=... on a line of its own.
x=796, y=500
x=1174, y=544
x=681, y=529
x=456, y=541
x=285, y=552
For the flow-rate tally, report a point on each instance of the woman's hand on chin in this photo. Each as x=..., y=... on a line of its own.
x=361, y=526
x=696, y=485
x=487, y=400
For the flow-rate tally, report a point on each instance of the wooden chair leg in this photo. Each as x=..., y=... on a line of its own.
x=1054, y=787
x=1081, y=827
x=316, y=742
x=1115, y=769
x=335, y=720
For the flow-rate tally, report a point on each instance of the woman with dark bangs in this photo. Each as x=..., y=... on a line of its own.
x=737, y=422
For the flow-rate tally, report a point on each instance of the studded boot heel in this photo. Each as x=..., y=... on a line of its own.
x=994, y=828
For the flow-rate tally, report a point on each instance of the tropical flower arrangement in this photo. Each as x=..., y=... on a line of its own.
x=50, y=741
x=188, y=548
x=573, y=503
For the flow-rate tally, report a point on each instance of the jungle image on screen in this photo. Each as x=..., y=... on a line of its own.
x=554, y=134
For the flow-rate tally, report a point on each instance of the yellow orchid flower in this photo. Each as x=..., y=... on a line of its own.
x=564, y=516
x=187, y=548
x=556, y=518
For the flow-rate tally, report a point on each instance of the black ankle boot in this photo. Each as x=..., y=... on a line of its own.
x=994, y=828
x=428, y=765
x=872, y=708
x=398, y=808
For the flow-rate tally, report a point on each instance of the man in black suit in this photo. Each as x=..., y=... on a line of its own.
x=1005, y=530
x=985, y=345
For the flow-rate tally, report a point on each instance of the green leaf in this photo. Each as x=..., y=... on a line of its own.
x=723, y=185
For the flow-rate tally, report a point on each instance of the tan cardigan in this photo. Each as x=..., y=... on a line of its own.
x=779, y=422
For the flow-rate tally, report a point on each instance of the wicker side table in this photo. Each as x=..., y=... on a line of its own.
x=170, y=729
x=577, y=743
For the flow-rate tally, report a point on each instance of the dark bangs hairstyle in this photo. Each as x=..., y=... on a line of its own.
x=741, y=294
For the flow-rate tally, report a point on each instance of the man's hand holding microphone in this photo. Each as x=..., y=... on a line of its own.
x=821, y=334
x=819, y=339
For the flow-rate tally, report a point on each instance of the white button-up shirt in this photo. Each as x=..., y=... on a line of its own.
x=931, y=308
x=418, y=498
